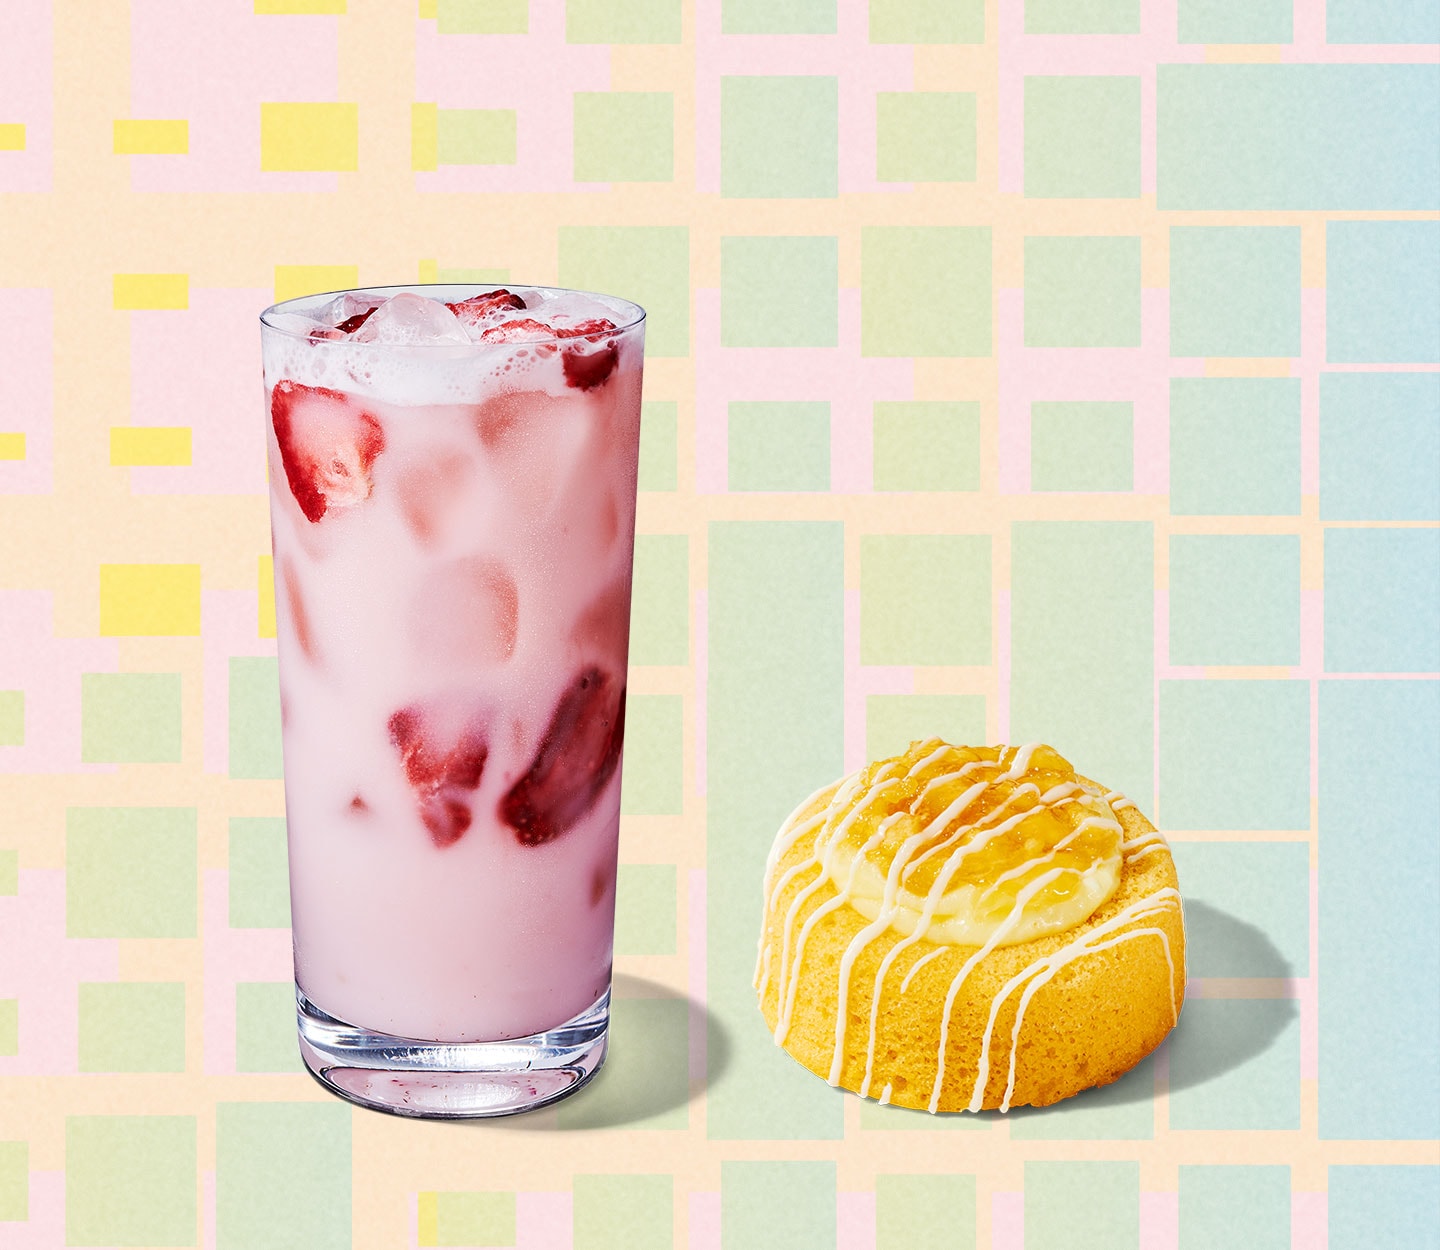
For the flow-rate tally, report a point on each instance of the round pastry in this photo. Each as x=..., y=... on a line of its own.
x=962, y=928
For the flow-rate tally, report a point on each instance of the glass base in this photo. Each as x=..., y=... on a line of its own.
x=452, y=1080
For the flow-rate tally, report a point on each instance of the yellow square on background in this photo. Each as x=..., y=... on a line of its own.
x=149, y=444
x=137, y=137
x=12, y=136
x=137, y=291
x=149, y=600
x=293, y=281
x=12, y=446
x=265, y=587
x=297, y=138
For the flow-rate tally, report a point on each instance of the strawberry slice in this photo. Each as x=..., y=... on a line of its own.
x=477, y=308
x=443, y=762
x=327, y=445
x=586, y=364
x=521, y=330
x=577, y=756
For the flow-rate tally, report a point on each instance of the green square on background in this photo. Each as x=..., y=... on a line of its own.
x=1382, y=292
x=255, y=718
x=9, y=872
x=1382, y=599
x=1235, y=290
x=1234, y=890
x=475, y=137
x=14, y=1180
x=926, y=445
x=1082, y=17
x=659, y=453
x=645, y=910
x=927, y=21
x=622, y=21
x=1382, y=1204
x=894, y=721
x=774, y=1203
x=9, y=1026
x=629, y=1212
x=282, y=1175
x=1255, y=734
x=1082, y=291
x=129, y=718
x=925, y=136
x=472, y=1219
x=756, y=270
x=779, y=445
x=1082, y=1206
x=1124, y=1110
x=1082, y=137
x=654, y=765
x=259, y=873
x=1082, y=446
x=1236, y=21
x=132, y=1026
x=779, y=136
x=927, y=1212
x=1235, y=1065
x=624, y=136
x=660, y=600
x=482, y=17
x=130, y=1180
x=1236, y=1205
x=647, y=264
x=1379, y=445
x=925, y=291
x=1235, y=599
x=645, y=1082
x=785, y=17
x=12, y=718
x=1235, y=446
x=130, y=872
x=265, y=1027
x=925, y=599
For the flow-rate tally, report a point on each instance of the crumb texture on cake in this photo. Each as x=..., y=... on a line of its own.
x=970, y=928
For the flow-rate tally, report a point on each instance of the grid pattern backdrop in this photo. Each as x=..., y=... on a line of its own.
x=1059, y=369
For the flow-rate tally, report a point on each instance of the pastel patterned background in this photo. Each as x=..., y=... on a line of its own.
x=1040, y=368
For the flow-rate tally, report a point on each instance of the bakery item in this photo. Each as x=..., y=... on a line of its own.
x=964, y=928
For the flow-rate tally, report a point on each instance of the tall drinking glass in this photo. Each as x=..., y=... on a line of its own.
x=452, y=490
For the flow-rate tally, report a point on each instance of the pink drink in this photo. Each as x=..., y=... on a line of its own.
x=453, y=507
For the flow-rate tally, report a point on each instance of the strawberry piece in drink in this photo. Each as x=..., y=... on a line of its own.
x=577, y=756
x=478, y=309
x=443, y=762
x=586, y=364
x=327, y=445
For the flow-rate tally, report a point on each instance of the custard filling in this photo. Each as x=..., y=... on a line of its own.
x=972, y=846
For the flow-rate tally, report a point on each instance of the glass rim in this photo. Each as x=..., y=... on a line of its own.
x=319, y=298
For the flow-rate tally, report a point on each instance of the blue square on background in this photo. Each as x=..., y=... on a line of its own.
x=1240, y=1205
x=1382, y=292
x=1380, y=446
x=1394, y=21
x=1235, y=599
x=1235, y=446
x=1395, y=1205
x=1235, y=1064
x=1235, y=291
x=1234, y=755
x=1247, y=907
x=1382, y=599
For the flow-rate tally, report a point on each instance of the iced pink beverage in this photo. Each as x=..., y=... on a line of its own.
x=452, y=478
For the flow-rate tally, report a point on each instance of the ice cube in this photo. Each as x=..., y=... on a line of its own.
x=572, y=307
x=412, y=321
x=343, y=307
x=292, y=323
x=465, y=615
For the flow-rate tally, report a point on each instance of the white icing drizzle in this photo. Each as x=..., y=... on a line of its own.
x=920, y=963
x=1042, y=970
